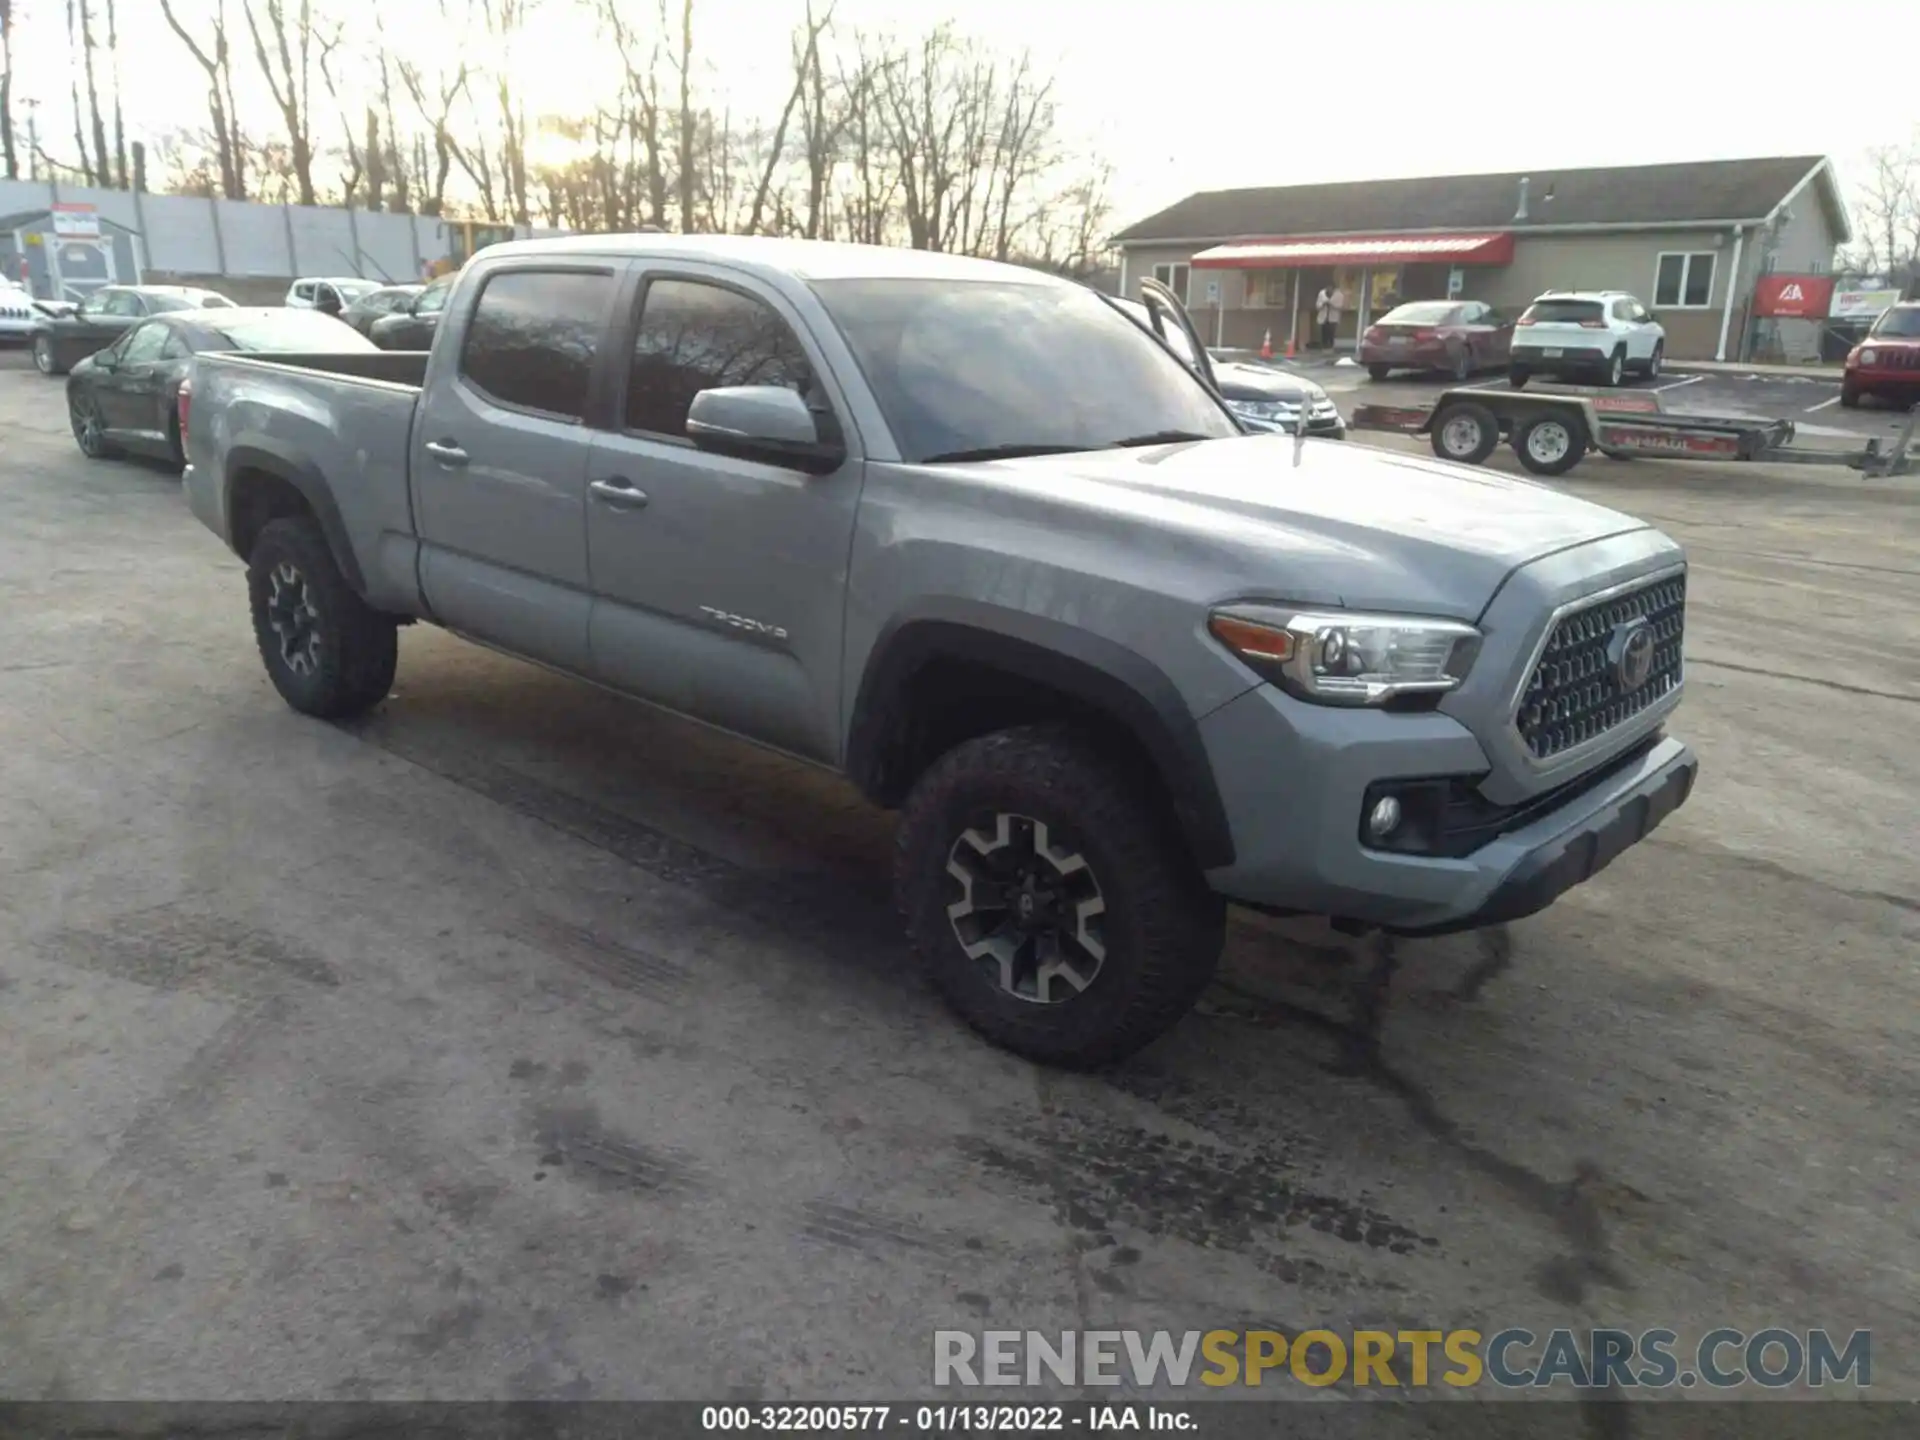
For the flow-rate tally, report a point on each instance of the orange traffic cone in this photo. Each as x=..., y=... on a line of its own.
x=1289, y=347
x=1266, y=346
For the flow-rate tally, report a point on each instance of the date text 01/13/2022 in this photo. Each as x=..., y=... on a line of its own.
x=942, y=1419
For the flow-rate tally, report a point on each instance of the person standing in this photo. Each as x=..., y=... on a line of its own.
x=1328, y=306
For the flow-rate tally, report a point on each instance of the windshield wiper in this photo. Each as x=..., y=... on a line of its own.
x=1158, y=437
x=1000, y=452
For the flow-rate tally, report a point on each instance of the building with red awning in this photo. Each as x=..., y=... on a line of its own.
x=1691, y=241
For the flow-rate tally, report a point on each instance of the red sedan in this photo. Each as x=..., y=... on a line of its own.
x=1453, y=337
x=1887, y=363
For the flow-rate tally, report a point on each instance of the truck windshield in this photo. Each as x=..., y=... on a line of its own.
x=1001, y=366
x=1902, y=323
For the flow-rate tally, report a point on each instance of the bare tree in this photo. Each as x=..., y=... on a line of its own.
x=287, y=68
x=121, y=177
x=683, y=66
x=100, y=171
x=1886, y=212
x=639, y=109
x=9, y=153
x=435, y=104
x=216, y=61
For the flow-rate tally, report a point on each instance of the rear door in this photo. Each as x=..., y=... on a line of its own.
x=1558, y=325
x=720, y=583
x=499, y=458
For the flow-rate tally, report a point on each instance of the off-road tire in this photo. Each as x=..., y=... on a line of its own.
x=1162, y=929
x=353, y=661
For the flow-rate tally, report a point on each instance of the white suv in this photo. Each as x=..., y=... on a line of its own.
x=1604, y=335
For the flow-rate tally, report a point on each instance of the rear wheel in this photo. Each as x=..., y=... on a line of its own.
x=1379, y=372
x=1054, y=908
x=1550, y=444
x=327, y=652
x=1518, y=375
x=176, y=451
x=1616, y=369
x=1465, y=432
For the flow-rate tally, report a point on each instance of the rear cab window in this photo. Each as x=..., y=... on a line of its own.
x=533, y=337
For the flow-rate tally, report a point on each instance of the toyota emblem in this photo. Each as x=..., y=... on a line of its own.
x=1630, y=651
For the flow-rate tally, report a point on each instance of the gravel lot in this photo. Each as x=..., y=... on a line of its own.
x=518, y=1042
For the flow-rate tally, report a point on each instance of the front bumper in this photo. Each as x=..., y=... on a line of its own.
x=1296, y=824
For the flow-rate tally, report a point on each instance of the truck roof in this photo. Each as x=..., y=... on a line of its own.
x=769, y=255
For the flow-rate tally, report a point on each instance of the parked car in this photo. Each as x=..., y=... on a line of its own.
x=1451, y=337
x=59, y=341
x=17, y=312
x=1599, y=335
x=411, y=325
x=127, y=397
x=329, y=295
x=965, y=533
x=1265, y=400
x=378, y=304
x=1886, y=364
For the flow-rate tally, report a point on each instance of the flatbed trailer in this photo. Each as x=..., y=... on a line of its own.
x=1551, y=431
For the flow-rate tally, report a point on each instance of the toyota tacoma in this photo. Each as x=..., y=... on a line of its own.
x=976, y=538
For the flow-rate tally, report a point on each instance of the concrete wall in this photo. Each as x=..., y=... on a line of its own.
x=225, y=239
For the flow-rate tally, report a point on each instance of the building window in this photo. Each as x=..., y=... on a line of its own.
x=1684, y=282
x=1174, y=277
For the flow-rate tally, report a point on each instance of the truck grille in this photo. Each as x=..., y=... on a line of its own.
x=1897, y=357
x=1574, y=694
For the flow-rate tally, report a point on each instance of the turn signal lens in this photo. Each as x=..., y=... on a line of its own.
x=1251, y=641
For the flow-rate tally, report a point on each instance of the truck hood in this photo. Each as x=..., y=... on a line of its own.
x=1350, y=525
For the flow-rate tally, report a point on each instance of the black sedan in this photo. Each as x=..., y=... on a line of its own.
x=378, y=304
x=127, y=397
x=104, y=316
x=412, y=326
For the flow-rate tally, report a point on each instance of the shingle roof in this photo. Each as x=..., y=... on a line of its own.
x=1637, y=194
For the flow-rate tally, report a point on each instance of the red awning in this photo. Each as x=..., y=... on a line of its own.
x=1283, y=253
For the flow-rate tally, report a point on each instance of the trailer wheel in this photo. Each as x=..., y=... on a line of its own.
x=1464, y=432
x=1550, y=444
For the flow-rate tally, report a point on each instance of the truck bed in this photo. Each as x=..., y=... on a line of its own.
x=393, y=367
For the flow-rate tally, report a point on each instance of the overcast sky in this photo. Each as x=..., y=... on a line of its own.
x=1183, y=97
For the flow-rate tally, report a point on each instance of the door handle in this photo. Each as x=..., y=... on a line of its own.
x=619, y=492
x=446, y=452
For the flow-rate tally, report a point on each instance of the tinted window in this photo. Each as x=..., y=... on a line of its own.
x=1563, y=312
x=287, y=332
x=693, y=337
x=144, y=344
x=123, y=303
x=1903, y=322
x=965, y=365
x=533, y=336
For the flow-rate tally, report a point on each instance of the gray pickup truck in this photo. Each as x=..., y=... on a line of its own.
x=972, y=536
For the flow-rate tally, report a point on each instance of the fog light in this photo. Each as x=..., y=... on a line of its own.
x=1383, y=818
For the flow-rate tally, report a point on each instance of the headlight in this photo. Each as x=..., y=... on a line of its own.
x=1866, y=357
x=1264, y=409
x=1335, y=658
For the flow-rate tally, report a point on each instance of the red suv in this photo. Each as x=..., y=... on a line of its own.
x=1887, y=362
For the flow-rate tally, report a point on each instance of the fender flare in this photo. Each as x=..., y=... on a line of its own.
x=303, y=475
x=1100, y=673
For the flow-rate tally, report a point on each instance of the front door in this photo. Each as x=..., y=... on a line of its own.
x=720, y=583
x=499, y=461
x=127, y=391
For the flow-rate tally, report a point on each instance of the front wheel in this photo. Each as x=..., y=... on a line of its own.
x=45, y=360
x=89, y=430
x=1655, y=361
x=327, y=652
x=1052, y=903
x=1849, y=397
x=1550, y=444
x=1463, y=366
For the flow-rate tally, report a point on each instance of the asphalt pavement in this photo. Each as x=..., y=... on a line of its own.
x=517, y=1042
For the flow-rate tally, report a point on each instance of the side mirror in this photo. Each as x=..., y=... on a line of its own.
x=762, y=422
